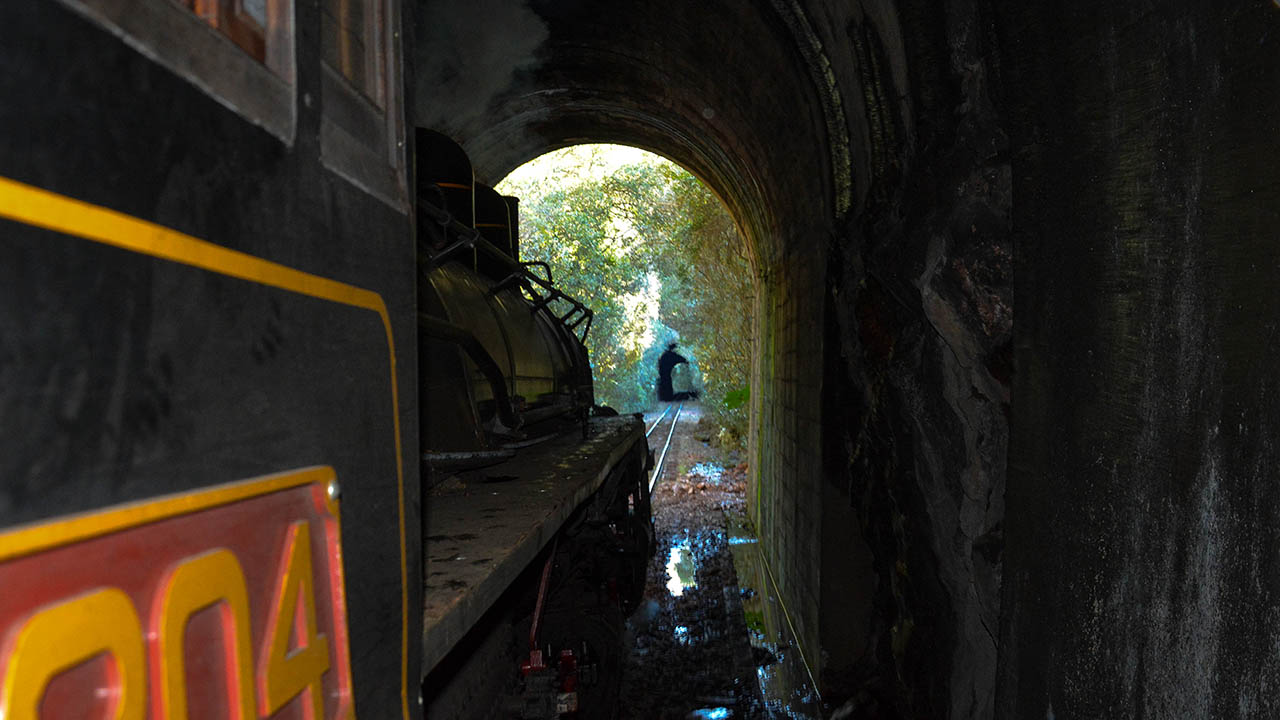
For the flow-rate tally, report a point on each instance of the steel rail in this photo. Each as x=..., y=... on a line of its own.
x=654, y=426
x=657, y=468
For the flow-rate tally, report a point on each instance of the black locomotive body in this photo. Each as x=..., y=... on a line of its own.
x=513, y=445
x=228, y=368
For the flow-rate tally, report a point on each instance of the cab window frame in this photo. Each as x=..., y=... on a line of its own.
x=362, y=126
x=260, y=87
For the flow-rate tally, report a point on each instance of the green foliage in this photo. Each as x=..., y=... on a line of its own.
x=654, y=253
x=735, y=399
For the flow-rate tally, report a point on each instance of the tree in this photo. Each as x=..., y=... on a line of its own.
x=657, y=257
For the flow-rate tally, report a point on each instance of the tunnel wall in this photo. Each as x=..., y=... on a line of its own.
x=916, y=396
x=786, y=484
x=1144, y=512
x=732, y=92
x=860, y=149
x=885, y=157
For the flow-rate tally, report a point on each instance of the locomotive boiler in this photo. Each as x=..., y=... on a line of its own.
x=476, y=294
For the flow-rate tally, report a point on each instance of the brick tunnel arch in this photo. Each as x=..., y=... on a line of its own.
x=803, y=121
x=873, y=151
x=638, y=76
x=746, y=118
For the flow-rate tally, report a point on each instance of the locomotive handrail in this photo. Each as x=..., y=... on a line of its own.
x=541, y=303
x=541, y=264
x=470, y=238
x=447, y=331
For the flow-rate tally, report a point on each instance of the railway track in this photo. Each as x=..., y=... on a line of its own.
x=667, y=421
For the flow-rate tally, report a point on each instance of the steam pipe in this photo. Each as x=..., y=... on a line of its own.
x=441, y=330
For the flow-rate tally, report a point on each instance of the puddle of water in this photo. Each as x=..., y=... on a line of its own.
x=709, y=472
x=682, y=570
x=720, y=713
x=784, y=679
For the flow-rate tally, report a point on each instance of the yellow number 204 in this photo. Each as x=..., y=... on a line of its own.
x=104, y=621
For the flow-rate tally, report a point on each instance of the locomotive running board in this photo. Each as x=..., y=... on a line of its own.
x=479, y=540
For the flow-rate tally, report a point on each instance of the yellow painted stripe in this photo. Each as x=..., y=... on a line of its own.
x=455, y=186
x=46, y=535
x=41, y=208
x=33, y=206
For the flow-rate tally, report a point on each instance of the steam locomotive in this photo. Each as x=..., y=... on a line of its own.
x=288, y=428
x=525, y=425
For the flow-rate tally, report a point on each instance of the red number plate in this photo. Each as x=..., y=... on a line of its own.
x=222, y=603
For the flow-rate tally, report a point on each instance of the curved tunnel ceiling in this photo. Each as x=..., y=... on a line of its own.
x=723, y=90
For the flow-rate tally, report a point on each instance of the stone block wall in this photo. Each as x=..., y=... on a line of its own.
x=787, y=465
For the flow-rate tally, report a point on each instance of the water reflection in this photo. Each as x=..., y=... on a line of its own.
x=709, y=472
x=720, y=713
x=682, y=570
